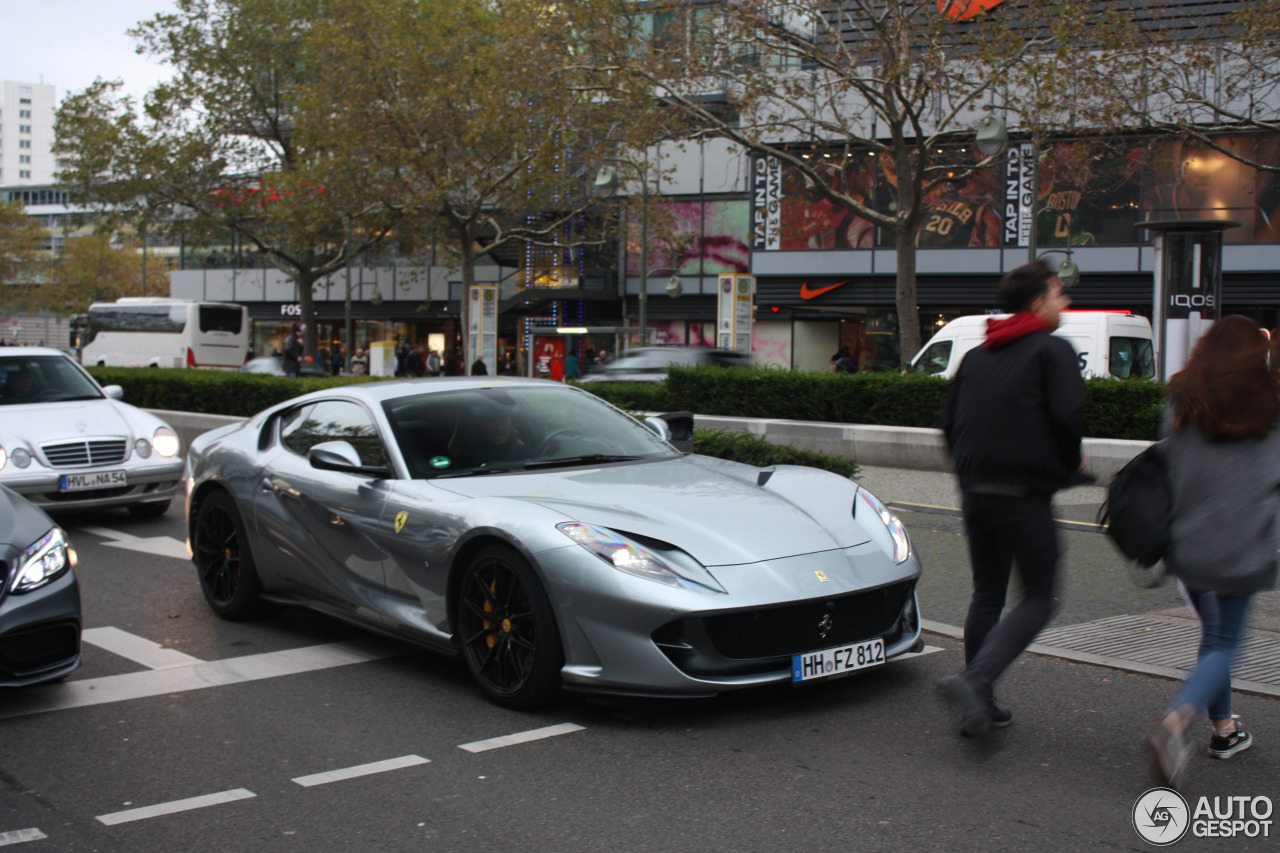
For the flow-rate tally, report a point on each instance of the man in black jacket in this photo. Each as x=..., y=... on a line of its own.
x=1013, y=422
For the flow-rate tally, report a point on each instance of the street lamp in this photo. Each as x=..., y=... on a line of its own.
x=375, y=299
x=607, y=184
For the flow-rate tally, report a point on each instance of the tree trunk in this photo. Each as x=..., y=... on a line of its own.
x=908, y=309
x=307, y=303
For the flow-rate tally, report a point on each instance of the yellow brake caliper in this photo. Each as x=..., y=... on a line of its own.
x=490, y=639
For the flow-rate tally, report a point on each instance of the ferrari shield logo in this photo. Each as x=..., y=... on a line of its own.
x=821, y=576
x=401, y=518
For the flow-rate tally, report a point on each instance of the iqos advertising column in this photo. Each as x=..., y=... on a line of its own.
x=483, y=321
x=1188, y=287
x=736, y=308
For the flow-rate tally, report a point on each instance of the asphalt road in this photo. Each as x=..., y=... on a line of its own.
x=198, y=734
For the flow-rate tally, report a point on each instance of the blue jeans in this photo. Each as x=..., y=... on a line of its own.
x=1222, y=619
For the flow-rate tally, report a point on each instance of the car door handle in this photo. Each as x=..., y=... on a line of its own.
x=268, y=485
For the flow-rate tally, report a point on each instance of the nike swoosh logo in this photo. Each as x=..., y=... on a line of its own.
x=807, y=292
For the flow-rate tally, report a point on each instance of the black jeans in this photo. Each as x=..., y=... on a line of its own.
x=1004, y=531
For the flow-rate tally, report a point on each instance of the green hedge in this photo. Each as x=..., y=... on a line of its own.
x=210, y=392
x=754, y=450
x=1113, y=409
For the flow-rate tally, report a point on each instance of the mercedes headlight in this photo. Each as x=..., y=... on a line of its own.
x=44, y=560
x=633, y=558
x=20, y=457
x=3, y=458
x=165, y=441
x=901, y=542
x=142, y=447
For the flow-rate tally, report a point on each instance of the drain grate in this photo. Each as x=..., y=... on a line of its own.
x=1149, y=641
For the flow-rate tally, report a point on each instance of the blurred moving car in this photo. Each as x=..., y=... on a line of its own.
x=274, y=365
x=547, y=539
x=649, y=364
x=67, y=444
x=39, y=596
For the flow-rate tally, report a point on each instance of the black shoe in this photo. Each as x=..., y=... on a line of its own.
x=1000, y=717
x=1225, y=747
x=975, y=713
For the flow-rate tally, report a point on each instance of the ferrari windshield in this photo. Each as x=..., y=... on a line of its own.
x=43, y=379
x=498, y=430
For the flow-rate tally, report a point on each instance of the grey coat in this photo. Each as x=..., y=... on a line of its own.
x=1226, y=503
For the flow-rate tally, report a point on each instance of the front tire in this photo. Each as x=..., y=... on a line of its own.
x=508, y=630
x=224, y=562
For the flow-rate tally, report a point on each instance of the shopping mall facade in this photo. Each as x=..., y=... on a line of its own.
x=824, y=277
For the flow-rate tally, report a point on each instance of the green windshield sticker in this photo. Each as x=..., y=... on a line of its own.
x=440, y=462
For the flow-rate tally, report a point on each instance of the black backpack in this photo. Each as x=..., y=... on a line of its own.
x=1139, y=506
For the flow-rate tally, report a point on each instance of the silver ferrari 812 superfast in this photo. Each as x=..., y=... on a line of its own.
x=549, y=540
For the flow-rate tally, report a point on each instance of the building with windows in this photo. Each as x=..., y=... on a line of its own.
x=26, y=133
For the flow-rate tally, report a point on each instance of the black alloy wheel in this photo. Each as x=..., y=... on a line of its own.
x=508, y=630
x=223, y=560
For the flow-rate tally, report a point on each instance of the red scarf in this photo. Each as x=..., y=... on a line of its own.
x=1001, y=333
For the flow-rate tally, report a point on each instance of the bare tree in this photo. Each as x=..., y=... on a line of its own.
x=819, y=87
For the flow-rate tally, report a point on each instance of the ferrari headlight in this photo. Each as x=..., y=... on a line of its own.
x=43, y=561
x=165, y=442
x=901, y=542
x=635, y=559
x=21, y=457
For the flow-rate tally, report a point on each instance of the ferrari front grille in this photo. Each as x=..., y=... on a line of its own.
x=820, y=623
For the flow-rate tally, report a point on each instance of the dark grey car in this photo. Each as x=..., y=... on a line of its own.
x=39, y=596
x=650, y=364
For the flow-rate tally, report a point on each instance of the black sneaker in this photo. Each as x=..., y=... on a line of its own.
x=975, y=715
x=1225, y=747
x=1000, y=717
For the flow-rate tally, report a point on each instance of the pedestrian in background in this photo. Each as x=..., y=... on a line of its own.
x=335, y=361
x=1012, y=420
x=291, y=357
x=360, y=363
x=478, y=367
x=571, y=369
x=1224, y=474
x=433, y=363
x=415, y=364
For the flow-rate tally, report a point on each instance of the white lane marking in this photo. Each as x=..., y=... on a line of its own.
x=137, y=649
x=163, y=546
x=18, y=836
x=139, y=685
x=361, y=770
x=176, y=806
x=520, y=737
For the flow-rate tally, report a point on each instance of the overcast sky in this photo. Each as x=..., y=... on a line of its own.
x=67, y=43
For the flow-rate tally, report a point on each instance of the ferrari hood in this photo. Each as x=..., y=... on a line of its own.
x=716, y=517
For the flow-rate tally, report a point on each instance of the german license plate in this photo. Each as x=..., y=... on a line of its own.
x=96, y=480
x=832, y=662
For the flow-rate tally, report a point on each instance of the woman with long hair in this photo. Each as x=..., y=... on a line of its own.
x=1224, y=470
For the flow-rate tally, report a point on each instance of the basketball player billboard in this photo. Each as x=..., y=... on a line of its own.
x=1188, y=179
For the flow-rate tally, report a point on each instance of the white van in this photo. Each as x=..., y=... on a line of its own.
x=160, y=332
x=1107, y=343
